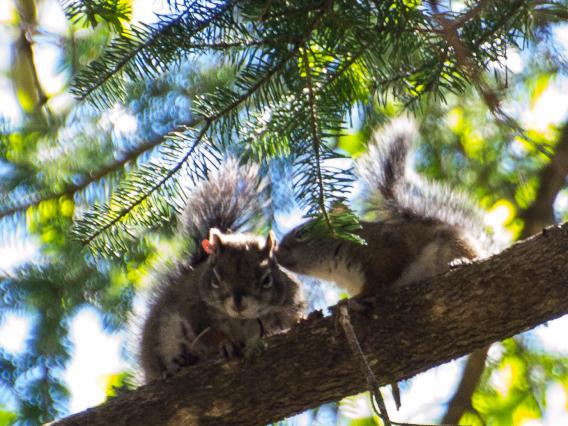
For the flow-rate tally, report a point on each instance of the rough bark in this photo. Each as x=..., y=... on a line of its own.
x=403, y=332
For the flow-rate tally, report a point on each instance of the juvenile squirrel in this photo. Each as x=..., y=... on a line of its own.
x=230, y=292
x=423, y=226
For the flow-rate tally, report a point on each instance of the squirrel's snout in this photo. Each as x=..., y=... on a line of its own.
x=239, y=303
x=239, y=306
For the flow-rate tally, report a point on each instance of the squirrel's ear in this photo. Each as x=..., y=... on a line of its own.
x=207, y=247
x=270, y=243
x=213, y=244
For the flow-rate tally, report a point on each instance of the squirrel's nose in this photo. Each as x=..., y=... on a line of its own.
x=238, y=302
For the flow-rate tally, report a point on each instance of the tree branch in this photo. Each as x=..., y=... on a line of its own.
x=403, y=332
x=93, y=176
x=315, y=136
x=461, y=401
x=552, y=179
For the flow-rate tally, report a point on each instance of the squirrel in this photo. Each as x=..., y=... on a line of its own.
x=424, y=227
x=230, y=292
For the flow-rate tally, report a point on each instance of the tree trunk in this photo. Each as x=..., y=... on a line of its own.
x=403, y=332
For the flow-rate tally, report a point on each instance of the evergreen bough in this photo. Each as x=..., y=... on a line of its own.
x=301, y=68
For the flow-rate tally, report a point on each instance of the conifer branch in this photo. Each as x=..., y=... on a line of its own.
x=207, y=121
x=206, y=124
x=316, y=141
x=91, y=177
x=144, y=195
x=105, y=74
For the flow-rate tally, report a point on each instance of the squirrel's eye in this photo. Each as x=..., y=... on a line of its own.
x=267, y=281
x=300, y=234
x=214, y=283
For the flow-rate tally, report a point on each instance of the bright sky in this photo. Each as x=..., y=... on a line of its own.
x=98, y=354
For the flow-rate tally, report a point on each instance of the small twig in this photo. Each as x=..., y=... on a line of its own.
x=198, y=337
x=374, y=386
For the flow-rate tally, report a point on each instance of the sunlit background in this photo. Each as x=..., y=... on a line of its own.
x=539, y=100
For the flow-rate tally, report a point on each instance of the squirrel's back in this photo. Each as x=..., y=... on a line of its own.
x=395, y=192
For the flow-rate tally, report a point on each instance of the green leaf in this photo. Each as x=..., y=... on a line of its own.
x=7, y=418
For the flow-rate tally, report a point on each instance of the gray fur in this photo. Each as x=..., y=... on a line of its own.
x=231, y=199
x=217, y=303
x=423, y=228
x=400, y=194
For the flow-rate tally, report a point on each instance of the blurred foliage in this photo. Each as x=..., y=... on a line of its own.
x=163, y=101
x=89, y=12
x=515, y=383
x=296, y=80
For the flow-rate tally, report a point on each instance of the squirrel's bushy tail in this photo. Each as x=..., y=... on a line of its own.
x=231, y=199
x=383, y=167
x=399, y=194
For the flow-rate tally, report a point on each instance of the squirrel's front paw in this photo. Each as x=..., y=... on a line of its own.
x=230, y=350
x=183, y=359
x=218, y=340
x=460, y=261
x=254, y=348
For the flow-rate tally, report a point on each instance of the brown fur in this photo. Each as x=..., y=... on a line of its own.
x=424, y=227
x=392, y=247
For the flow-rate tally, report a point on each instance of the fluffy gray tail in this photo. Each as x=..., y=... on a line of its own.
x=383, y=167
x=399, y=194
x=231, y=199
